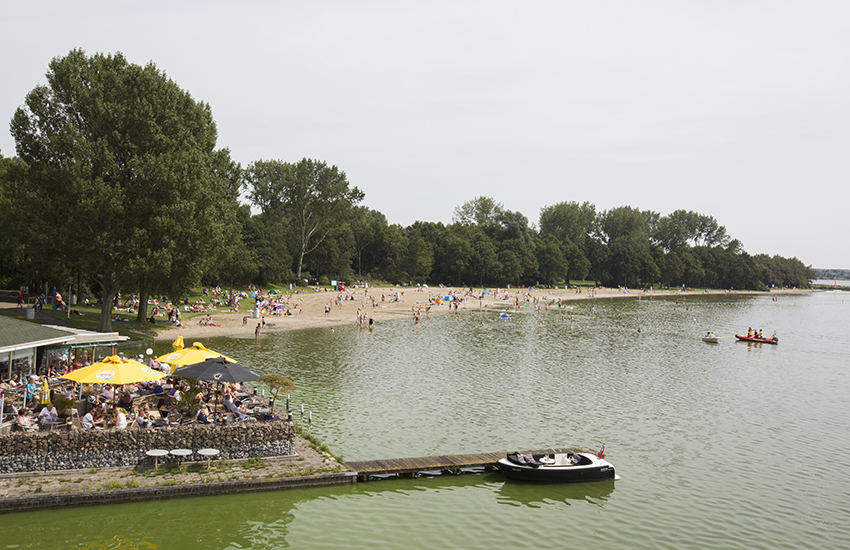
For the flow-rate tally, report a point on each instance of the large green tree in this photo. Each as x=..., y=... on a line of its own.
x=481, y=211
x=121, y=167
x=315, y=196
x=567, y=221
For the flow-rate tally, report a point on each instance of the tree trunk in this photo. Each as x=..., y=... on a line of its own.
x=79, y=287
x=143, y=305
x=300, y=263
x=105, y=324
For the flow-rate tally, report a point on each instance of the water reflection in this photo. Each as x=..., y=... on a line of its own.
x=537, y=495
x=118, y=542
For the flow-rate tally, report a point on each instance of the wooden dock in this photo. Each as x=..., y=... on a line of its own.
x=453, y=464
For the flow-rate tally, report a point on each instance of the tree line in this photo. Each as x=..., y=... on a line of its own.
x=119, y=186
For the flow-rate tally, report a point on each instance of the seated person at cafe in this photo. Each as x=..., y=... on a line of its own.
x=93, y=401
x=203, y=415
x=203, y=395
x=126, y=401
x=144, y=418
x=26, y=423
x=32, y=387
x=9, y=409
x=108, y=392
x=239, y=410
x=158, y=390
x=165, y=406
x=232, y=407
x=92, y=420
x=243, y=408
x=120, y=419
x=48, y=413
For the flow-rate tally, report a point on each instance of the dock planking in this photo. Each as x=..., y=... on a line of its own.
x=367, y=469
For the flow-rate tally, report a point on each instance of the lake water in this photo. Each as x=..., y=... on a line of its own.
x=728, y=445
x=832, y=282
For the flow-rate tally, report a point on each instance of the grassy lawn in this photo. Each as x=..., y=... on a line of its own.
x=136, y=331
x=89, y=320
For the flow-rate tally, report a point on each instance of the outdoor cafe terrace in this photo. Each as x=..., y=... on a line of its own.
x=118, y=412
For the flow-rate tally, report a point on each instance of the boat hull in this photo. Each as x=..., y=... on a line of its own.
x=745, y=338
x=591, y=469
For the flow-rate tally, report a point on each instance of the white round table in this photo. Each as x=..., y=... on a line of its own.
x=156, y=453
x=51, y=424
x=180, y=454
x=209, y=453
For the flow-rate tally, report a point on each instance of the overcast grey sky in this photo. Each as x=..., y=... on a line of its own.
x=738, y=110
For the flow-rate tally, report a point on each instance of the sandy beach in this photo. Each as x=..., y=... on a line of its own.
x=388, y=303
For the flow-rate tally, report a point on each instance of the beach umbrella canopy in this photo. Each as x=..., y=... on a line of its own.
x=188, y=356
x=217, y=369
x=114, y=370
x=178, y=343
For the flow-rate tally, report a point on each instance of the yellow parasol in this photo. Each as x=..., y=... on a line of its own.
x=189, y=356
x=114, y=370
x=45, y=392
x=178, y=343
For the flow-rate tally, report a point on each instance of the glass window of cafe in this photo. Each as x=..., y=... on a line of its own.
x=62, y=356
x=21, y=361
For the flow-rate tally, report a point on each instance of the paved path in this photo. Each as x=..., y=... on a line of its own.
x=40, y=315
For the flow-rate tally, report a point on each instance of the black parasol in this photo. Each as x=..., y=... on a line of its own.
x=217, y=369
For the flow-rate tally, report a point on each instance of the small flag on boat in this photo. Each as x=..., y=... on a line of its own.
x=601, y=451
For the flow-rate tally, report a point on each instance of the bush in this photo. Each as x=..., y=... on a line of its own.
x=63, y=404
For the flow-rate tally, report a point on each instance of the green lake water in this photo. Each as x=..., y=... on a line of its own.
x=728, y=445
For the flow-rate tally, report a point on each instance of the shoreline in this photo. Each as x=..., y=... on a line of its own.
x=309, y=307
